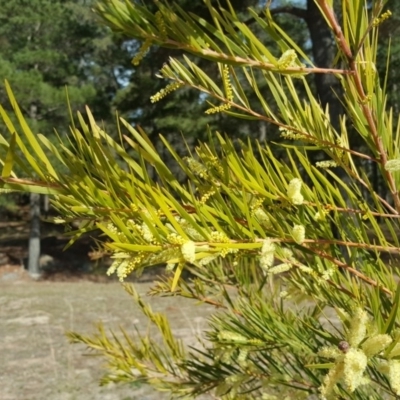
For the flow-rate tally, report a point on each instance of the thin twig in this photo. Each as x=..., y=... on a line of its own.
x=353, y=271
x=251, y=62
x=300, y=132
x=329, y=207
x=393, y=250
x=277, y=123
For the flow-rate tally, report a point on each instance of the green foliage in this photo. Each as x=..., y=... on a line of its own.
x=183, y=113
x=301, y=309
x=46, y=45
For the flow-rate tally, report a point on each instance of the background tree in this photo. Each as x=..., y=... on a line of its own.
x=44, y=47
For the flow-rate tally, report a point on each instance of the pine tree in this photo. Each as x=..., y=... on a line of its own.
x=47, y=45
x=294, y=316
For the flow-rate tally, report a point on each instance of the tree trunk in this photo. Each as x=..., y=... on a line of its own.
x=46, y=205
x=34, y=238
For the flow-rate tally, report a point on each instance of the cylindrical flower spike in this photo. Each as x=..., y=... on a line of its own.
x=267, y=254
x=393, y=165
x=278, y=269
x=188, y=250
x=355, y=362
x=375, y=344
x=358, y=327
x=293, y=191
x=299, y=234
x=394, y=375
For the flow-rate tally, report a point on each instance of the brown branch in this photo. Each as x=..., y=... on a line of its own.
x=353, y=271
x=329, y=207
x=366, y=246
x=363, y=183
x=345, y=48
x=291, y=128
x=279, y=124
x=193, y=295
x=298, y=266
x=300, y=132
x=341, y=288
x=248, y=62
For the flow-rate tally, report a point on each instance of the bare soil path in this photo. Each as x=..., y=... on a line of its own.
x=37, y=362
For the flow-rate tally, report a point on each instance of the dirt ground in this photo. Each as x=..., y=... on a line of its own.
x=37, y=362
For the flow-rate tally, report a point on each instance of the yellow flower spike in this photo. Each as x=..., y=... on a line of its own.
x=227, y=83
x=393, y=165
x=287, y=59
x=262, y=217
x=218, y=109
x=329, y=352
x=382, y=18
x=290, y=135
x=146, y=233
x=242, y=357
x=228, y=336
x=267, y=254
x=331, y=379
x=214, y=162
x=327, y=274
x=308, y=270
x=124, y=264
x=279, y=269
x=134, y=207
x=375, y=344
x=299, y=234
x=256, y=203
x=218, y=237
x=228, y=93
x=188, y=250
x=161, y=25
x=293, y=191
x=355, y=363
x=196, y=167
x=111, y=270
x=358, y=328
x=142, y=51
x=164, y=92
x=284, y=295
x=288, y=254
x=326, y=164
x=174, y=238
x=206, y=196
x=394, y=375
